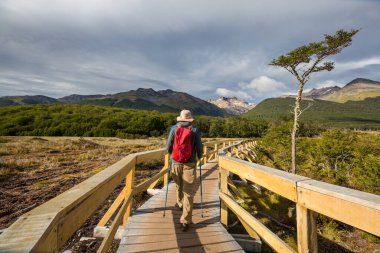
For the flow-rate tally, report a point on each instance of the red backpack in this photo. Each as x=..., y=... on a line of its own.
x=182, y=148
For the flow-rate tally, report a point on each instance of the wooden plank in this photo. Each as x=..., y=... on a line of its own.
x=162, y=238
x=129, y=182
x=223, y=189
x=358, y=209
x=148, y=231
x=209, y=219
x=230, y=246
x=252, y=233
x=234, y=188
x=183, y=243
x=165, y=179
x=170, y=224
x=106, y=243
x=280, y=182
x=115, y=205
x=271, y=238
x=148, y=156
x=62, y=208
x=145, y=185
x=306, y=230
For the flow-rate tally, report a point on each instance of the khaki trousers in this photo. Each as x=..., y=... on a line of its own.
x=184, y=176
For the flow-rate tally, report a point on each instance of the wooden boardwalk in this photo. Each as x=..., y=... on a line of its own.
x=148, y=231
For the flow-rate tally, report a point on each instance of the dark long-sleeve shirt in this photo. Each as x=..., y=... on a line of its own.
x=197, y=147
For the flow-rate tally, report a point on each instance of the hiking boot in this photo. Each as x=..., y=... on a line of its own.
x=184, y=227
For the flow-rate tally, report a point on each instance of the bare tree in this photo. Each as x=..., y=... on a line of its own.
x=306, y=60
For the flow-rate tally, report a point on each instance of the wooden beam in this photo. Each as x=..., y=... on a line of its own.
x=234, y=188
x=205, y=154
x=280, y=182
x=306, y=230
x=356, y=208
x=148, y=156
x=268, y=236
x=129, y=182
x=145, y=185
x=252, y=233
x=107, y=242
x=223, y=189
x=115, y=205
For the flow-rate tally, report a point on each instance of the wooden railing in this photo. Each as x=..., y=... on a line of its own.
x=356, y=208
x=47, y=227
x=210, y=152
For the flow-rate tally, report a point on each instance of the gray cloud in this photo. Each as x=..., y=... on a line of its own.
x=62, y=47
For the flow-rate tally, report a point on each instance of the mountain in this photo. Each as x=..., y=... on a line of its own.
x=233, y=105
x=26, y=100
x=75, y=98
x=147, y=99
x=356, y=90
x=351, y=114
x=321, y=92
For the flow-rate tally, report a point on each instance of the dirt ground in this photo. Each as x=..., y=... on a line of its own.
x=36, y=169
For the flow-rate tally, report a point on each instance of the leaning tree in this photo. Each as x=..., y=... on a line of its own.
x=303, y=61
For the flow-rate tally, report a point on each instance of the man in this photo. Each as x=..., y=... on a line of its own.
x=184, y=145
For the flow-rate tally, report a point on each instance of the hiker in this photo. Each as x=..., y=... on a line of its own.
x=185, y=146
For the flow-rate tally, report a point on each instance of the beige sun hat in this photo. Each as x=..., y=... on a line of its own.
x=185, y=116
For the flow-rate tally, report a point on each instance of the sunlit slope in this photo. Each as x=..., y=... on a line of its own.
x=352, y=114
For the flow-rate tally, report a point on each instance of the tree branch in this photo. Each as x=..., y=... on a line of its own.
x=308, y=106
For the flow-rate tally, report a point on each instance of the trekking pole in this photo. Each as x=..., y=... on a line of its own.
x=167, y=186
x=200, y=178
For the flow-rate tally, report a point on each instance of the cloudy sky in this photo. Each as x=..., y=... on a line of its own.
x=206, y=48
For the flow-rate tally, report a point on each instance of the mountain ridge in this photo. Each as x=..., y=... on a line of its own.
x=232, y=105
x=356, y=90
x=141, y=98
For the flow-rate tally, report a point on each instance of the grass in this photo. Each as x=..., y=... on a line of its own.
x=74, y=154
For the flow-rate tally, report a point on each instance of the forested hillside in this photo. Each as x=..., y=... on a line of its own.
x=91, y=120
x=352, y=114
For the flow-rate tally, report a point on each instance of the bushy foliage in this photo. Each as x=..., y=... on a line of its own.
x=337, y=156
x=91, y=120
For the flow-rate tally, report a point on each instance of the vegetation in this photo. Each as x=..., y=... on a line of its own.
x=303, y=61
x=90, y=120
x=342, y=157
x=338, y=156
x=352, y=114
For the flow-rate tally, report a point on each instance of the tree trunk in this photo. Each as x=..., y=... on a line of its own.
x=297, y=112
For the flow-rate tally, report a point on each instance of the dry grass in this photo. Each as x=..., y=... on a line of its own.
x=36, y=169
x=36, y=154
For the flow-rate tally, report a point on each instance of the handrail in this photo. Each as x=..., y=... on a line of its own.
x=106, y=243
x=356, y=208
x=47, y=227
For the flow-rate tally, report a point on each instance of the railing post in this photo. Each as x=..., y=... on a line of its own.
x=216, y=151
x=166, y=166
x=129, y=181
x=205, y=154
x=224, y=189
x=306, y=230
